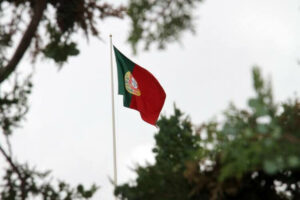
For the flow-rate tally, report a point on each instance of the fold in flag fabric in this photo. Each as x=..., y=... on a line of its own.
x=140, y=89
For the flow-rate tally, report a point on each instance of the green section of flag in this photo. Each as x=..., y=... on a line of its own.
x=123, y=65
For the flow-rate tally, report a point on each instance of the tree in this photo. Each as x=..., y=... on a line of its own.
x=253, y=154
x=21, y=182
x=46, y=29
x=175, y=144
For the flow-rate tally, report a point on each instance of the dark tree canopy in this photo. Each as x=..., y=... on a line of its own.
x=175, y=144
x=253, y=154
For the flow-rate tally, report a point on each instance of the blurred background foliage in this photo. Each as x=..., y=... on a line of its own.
x=160, y=22
x=251, y=154
x=152, y=22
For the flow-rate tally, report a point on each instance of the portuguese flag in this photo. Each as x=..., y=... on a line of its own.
x=140, y=89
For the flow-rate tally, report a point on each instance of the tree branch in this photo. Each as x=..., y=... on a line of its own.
x=9, y=160
x=291, y=138
x=8, y=145
x=39, y=8
x=17, y=171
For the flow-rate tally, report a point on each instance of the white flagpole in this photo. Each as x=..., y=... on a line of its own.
x=113, y=114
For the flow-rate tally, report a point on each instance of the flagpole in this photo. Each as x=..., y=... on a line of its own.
x=113, y=114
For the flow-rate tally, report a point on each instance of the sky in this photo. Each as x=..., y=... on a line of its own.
x=68, y=128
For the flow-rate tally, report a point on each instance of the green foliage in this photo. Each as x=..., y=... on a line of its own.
x=260, y=136
x=27, y=183
x=164, y=180
x=60, y=52
x=159, y=21
x=175, y=135
x=249, y=155
x=252, y=149
x=14, y=104
x=57, y=49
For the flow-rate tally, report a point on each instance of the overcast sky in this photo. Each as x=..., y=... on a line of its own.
x=68, y=128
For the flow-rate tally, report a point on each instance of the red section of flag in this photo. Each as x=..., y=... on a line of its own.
x=152, y=97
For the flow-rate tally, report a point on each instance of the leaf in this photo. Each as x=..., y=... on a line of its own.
x=270, y=167
x=293, y=161
x=262, y=128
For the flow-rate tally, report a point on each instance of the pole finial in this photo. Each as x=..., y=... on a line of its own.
x=110, y=35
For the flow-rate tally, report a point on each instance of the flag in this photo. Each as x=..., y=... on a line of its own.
x=140, y=89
